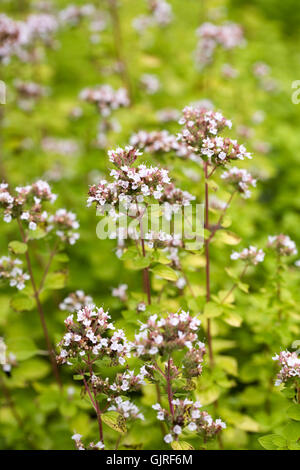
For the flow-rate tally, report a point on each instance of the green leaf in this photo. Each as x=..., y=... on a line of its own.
x=294, y=445
x=212, y=185
x=181, y=445
x=267, y=442
x=228, y=363
x=162, y=258
x=32, y=369
x=141, y=263
x=22, y=347
x=18, y=248
x=292, y=431
x=233, y=319
x=209, y=395
x=212, y=310
x=165, y=272
x=244, y=287
x=293, y=412
x=77, y=377
x=62, y=258
x=22, y=302
x=279, y=441
x=131, y=253
x=37, y=234
x=115, y=421
x=246, y=423
x=229, y=238
x=55, y=281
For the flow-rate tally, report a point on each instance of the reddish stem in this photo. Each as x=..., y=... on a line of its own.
x=40, y=310
x=220, y=220
x=207, y=264
x=169, y=388
x=118, y=41
x=97, y=407
x=146, y=278
x=235, y=285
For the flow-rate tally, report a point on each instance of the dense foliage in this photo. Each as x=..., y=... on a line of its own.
x=150, y=342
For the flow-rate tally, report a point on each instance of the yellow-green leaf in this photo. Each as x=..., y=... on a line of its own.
x=181, y=445
x=233, y=319
x=18, y=248
x=229, y=238
x=115, y=421
x=212, y=310
x=165, y=272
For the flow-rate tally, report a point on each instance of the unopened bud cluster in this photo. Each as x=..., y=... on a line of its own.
x=290, y=367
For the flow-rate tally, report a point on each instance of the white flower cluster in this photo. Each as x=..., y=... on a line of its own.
x=200, y=124
x=126, y=408
x=168, y=115
x=261, y=70
x=126, y=382
x=73, y=14
x=251, y=255
x=169, y=244
x=160, y=15
x=90, y=335
x=188, y=415
x=150, y=83
x=10, y=36
x=120, y=292
x=105, y=98
x=228, y=36
x=158, y=335
x=65, y=147
x=161, y=141
x=7, y=360
x=18, y=37
x=33, y=194
x=282, y=244
x=27, y=205
x=30, y=90
x=133, y=184
x=241, y=180
x=290, y=366
x=222, y=149
x=217, y=204
x=10, y=270
x=77, y=438
x=161, y=11
x=75, y=301
x=64, y=223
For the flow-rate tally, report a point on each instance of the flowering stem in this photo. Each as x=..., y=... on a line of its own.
x=207, y=265
x=278, y=284
x=212, y=171
x=235, y=285
x=158, y=394
x=40, y=310
x=169, y=387
x=220, y=220
x=96, y=404
x=117, y=34
x=87, y=388
x=52, y=254
x=2, y=169
x=146, y=278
